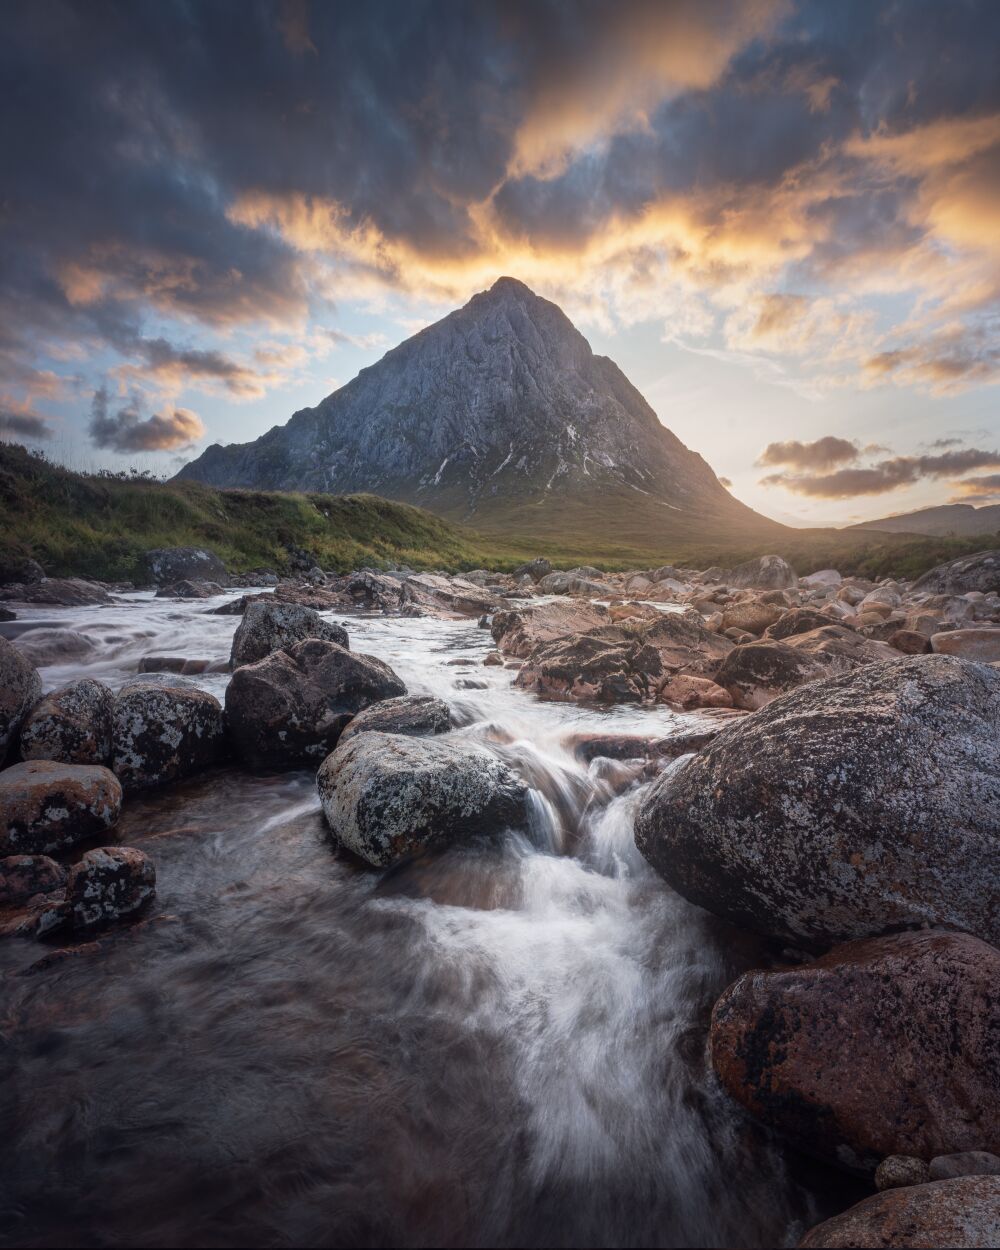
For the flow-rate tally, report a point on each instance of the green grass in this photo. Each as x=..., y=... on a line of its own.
x=100, y=526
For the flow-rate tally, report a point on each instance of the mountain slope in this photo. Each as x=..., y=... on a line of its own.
x=960, y=520
x=499, y=415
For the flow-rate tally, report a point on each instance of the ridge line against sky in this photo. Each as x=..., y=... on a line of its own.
x=780, y=218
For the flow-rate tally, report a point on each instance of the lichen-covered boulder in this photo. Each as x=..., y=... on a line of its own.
x=164, y=728
x=764, y=573
x=885, y=1046
x=20, y=688
x=24, y=876
x=47, y=806
x=167, y=565
x=958, y=1213
x=110, y=884
x=858, y=803
x=269, y=625
x=387, y=796
x=977, y=572
x=72, y=725
x=291, y=707
x=418, y=715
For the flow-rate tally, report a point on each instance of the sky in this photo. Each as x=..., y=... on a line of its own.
x=781, y=218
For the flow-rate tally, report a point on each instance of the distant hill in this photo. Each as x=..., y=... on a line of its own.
x=952, y=520
x=500, y=416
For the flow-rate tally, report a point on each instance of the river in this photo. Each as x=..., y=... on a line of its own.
x=502, y=1044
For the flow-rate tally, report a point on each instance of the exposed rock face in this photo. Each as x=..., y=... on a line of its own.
x=387, y=796
x=20, y=687
x=69, y=592
x=167, y=565
x=45, y=806
x=857, y=803
x=269, y=626
x=416, y=715
x=917, y=1017
x=164, y=729
x=291, y=707
x=499, y=405
x=452, y=593
x=957, y=577
x=24, y=876
x=964, y=1212
x=516, y=632
x=970, y=644
x=764, y=573
x=71, y=725
x=110, y=884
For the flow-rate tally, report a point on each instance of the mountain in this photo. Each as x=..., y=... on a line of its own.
x=959, y=520
x=501, y=416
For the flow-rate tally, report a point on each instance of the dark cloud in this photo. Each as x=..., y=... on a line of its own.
x=824, y=453
x=29, y=425
x=887, y=475
x=127, y=430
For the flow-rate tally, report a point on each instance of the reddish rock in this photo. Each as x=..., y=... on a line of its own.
x=110, y=884
x=958, y=1213
x=71, y=725
x=24, y=876
x=694, y=692
x=796, y=621
x=751, y=615
x=909, y=642
x=47, y=806
x=970, y=644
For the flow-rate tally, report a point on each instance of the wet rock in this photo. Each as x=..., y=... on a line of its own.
x=965, y=1163
x=20, y=689
x=178, y=664
x=535, y=569
x=909, y=642
x=375, y=591
x=166, y=565
x=71, y=725
x=493, y=659
x=46, y=806
x=319, y=598
x=54, y=646
x=977, y=572
x=898, y=1171
x=24, y=876
x=386, y=796
x=61, y=591
x=163, y=729
x=919, y=1016
x=517, y=631
x=958, y=1213
x=857, y=803
x=20, y=570
x=795, y=621
x=764, y=573
x=291, y=707
x=454, y=594
x=694, y=692
x=235, y=607
x=417, y=715
x=970, y=644
x=108, y=885
x=593, y=666
x=189, y=589
x=269, y=626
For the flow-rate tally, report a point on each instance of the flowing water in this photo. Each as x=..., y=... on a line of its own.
x=500, y=1044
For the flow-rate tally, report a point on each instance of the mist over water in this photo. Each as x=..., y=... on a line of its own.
x=499, y=1044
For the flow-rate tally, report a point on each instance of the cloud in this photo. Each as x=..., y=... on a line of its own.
x=824, y=453
x=885, y=476
x=18, y=423
x=126, y=430
x=984, y=488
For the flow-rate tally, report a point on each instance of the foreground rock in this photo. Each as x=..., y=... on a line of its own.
x=269, y=626
x=20, y=688
x=415, y=715
x=71, y=725
x=163, y=729
x=964, y=1212
x=915, y=1016
x=108, y=885
x=45, y=806
x=167, y=565
x=386, y=796
x=855, y=804
x=291, y=707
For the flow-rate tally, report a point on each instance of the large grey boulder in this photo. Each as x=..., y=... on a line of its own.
x=166, y=565
x=269, y=626
x=764, y=573
x=853, y=805
x=977, y=572
x=387, y=796
x=20, y=688
x=291, y=707
x=960, y=1213
x=418, y=715
x=72, y=725
x=535, y=569
x=164, y=728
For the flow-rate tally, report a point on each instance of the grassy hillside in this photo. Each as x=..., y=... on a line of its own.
x=100, y=526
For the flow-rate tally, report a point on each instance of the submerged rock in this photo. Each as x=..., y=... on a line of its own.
x=416, y=715
x=163, y=728
x=20, y=688
x=918, y=1016
x=271, y=626
x=54, y=646
x=857, y=803
x=108, y=885
x=958, y=1213
x=47, y=806
x=71, y=725
x=386, y=796
x=292, y=706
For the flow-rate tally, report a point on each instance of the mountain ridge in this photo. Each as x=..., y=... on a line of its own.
x=944, y=520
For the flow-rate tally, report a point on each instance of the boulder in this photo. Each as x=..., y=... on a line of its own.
x=416, y=715
x=755, y=673
x=750, y=615
x=896, y=1171
x=387, y=796
x=909, y=642
x=969, y=644
x=822, y=578
x=43, y=647
x=291, y=707
x=535, y=569
x=977, y=572
x=764, y=573
x=20, y=688
x=166, y=565
x=555, y=583
x=795, y=621
x=374, y=591
x=22, y=877
x=918, y=1016
x=71, y=725
x=46, y=806
x=68, y=592
x=517, y=631
x=454, y=594
x=189, y=589
x=108, y=885
x=689, y=693
x=860, y=802
x=270, y=626
x=186, y=666
x=598, y=666
x=20, y=570
x=164, y=728
x=958, y=1213
x=964, y=1163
